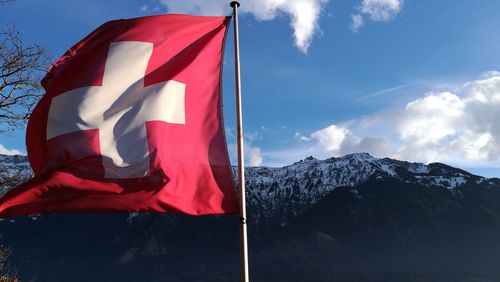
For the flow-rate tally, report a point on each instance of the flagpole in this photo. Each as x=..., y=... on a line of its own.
x=241, y=160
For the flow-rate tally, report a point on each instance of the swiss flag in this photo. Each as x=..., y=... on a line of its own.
x=132, y=122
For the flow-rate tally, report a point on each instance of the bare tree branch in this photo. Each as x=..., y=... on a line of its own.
x=21, y=69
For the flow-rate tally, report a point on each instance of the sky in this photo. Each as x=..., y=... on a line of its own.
x=412, y=80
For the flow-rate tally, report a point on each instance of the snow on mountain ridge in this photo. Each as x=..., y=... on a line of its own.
x=277, y=192
x=13, y=170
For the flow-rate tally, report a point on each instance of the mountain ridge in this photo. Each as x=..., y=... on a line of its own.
x=274, y=192
x=281, y=193
x=323, y=175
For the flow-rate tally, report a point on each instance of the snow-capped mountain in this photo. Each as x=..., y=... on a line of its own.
x=280, y=193
x=287, y=191
x=13, y=170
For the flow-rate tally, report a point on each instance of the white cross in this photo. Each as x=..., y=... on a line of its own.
x=119, y=109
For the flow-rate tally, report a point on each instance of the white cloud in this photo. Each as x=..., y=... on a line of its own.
x=489, y=74
x=381, y=10
x=150, y=9
x=304, y=14
x=299, y=136
x=376, y=10
x=431, y=119
x=253, y=155
x=460, y=127
x=5, y=151
x=332, y=137
x=338, y=140
x=357, y=22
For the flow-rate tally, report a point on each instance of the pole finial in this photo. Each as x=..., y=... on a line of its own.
x=234, y=3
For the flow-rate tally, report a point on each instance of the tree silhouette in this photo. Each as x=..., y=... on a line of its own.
x=21, y=68
x=6, y=274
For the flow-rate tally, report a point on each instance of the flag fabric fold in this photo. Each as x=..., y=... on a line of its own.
x=132, y=122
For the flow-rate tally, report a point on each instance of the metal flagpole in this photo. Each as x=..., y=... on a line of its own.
x=241, y=161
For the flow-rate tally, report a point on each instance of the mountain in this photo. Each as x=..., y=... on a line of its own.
x=387, y=229
x=277, y=194
x=281, y=193
x=13, y=170
x=352, y=218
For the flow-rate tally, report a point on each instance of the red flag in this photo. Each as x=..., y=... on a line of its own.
x=132, y=122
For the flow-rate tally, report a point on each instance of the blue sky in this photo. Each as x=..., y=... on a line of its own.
x=412, y=80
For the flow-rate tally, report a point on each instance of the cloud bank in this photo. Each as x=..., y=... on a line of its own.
x=304, y=14
x=460, y=127
x=5, y=151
